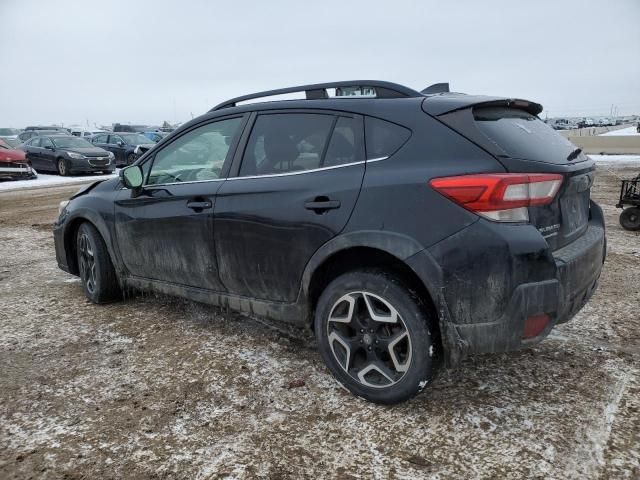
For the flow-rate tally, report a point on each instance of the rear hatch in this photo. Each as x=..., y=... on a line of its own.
x=525, y=144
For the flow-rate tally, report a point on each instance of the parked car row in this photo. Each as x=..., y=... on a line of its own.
x=67, y=151
x=584, y=122
x=66, y=155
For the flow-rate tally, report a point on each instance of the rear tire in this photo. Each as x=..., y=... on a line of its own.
x=374, y=335
x=99, y=280
x=62, y=167
x=630, y=219
x=131, y=158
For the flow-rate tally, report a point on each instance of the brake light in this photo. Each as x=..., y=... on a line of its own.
x=501, y=197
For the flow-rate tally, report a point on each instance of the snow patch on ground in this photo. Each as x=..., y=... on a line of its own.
x=616, y=158
x=622, y=132
x=45, y=180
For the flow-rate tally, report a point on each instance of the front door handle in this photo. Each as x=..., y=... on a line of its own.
x=199, y=205
x=322, y=204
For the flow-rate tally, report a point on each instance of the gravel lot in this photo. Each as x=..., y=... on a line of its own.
x=160, y=388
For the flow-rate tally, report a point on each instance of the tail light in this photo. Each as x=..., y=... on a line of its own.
x=535, y=325
x=501, y=197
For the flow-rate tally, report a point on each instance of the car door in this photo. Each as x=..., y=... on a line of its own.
x=101, y=140
x=116, y=145
x=47, y=154
x=32, y=152
x=290, y=191
x=165, y=232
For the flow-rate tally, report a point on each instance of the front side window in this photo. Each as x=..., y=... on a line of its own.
x=134, y=139
x=100, y=139
x=195, y=156
x=45, y=142
x=289, y=142
x=114, y=139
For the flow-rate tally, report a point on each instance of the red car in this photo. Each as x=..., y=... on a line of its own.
x=13, y=164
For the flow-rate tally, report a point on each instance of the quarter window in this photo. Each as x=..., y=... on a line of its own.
x=384, y=138
x=293, y=142
x=196, y=156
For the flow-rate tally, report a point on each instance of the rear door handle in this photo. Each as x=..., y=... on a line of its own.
x=199, y=205
x=322, y=204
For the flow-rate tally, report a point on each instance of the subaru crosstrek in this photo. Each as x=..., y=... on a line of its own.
x=408, y=229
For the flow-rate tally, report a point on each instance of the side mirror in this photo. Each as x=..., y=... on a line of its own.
x=120, y=144
x=132, y=177
x=49, y=147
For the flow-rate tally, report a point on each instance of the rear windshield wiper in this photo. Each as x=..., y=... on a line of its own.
x=573, y=155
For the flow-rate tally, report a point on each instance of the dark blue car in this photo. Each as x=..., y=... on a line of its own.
x=123, y=145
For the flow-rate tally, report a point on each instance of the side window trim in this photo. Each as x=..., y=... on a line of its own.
x=227, y=162
x=332, y=130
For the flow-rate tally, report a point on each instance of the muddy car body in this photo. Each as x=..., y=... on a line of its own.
x=406, y=229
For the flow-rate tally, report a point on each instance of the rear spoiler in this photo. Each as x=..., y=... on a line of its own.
x=437, y=105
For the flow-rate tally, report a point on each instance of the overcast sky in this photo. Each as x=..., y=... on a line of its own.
x=149, y=61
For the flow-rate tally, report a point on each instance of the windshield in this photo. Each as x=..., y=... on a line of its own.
x=70, y=142
x=12, y=142
x=134, y=139
x=8, y=131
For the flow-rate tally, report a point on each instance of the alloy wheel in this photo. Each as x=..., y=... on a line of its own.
x=62, y=167
x=87, y=263
x=369, y=339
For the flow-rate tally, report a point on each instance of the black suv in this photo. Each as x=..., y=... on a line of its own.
x=407, y=228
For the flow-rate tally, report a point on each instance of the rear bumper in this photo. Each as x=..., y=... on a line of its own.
x=488, y=284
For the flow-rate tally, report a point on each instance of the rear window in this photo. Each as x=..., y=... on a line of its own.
x=522, y=135
x=383, y=138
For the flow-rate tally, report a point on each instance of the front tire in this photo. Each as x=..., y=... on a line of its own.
x=374, y=335
x=99, y=280
x=131, y=158
x=63, y=169
x=630, y=219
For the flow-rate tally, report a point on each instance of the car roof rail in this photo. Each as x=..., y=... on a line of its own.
x=318, y=91
x=436, y=88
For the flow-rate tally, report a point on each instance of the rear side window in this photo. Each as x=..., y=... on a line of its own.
x=522, y=135
x=384, y=138
x=343, y=147
x=291, y=142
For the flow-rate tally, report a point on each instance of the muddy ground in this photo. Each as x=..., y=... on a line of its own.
x=160, y=388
